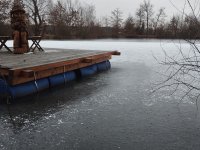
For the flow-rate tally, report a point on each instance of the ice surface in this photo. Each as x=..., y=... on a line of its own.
x=132, y=50
x=106, y=111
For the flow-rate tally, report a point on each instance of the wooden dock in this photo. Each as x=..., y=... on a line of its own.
x=18, y=69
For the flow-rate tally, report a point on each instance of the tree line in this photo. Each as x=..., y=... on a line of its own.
x=74, y=20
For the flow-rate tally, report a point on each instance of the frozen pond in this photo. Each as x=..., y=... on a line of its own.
x=108, y=111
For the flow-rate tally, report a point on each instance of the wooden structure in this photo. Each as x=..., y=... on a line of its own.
x=18, y=24
x=20, y=74
x=3, y=40
x=18, y=69
x=35, y=45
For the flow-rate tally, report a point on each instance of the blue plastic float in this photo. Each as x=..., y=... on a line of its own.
x=28, y=88
x=3, y=88
x=87, y=71
x=62, y=78
x=42, y=84
x=103, y=66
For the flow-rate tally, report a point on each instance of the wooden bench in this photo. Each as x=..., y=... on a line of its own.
x=36, y=43
x=3, y=40
x=35, y=39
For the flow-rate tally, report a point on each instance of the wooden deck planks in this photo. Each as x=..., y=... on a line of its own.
x=22, y=68
x=51, y=56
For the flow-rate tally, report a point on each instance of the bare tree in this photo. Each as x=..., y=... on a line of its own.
x=174, y=25
x=183, y=70
x=4, y=10
x=105, y=21
x=147, y=8
x=73, y=10
x=140, y=17
x=129, y=27
x=58, y=19
x=57, y=14
x=116, y=21
x=4, y=17
x=89, y=15
x=85, y=20
x=159, y=19
x=38, y=11
x=71, y=19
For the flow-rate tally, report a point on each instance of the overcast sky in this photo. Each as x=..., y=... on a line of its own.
x=104, y=7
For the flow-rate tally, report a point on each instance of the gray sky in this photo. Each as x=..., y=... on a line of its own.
x=104, y=7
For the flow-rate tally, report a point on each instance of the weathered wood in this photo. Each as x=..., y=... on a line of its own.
x=3, y=40
x=36, y=43
x=116, y=53
x=52, y=71
x=87, y=60
x=4, y=72
x=5, y=37
x=35, y=39
x=38, y=59
x=22, y=68
x=27, y=73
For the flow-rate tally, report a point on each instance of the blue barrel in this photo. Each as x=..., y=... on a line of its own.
x=87, y=71
x=108, y=64
x=28, y=88
x=62, y=78
x=3, y=88
x=42, y=84
x=103, y=66
x=70, y=76
x=56, y=80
